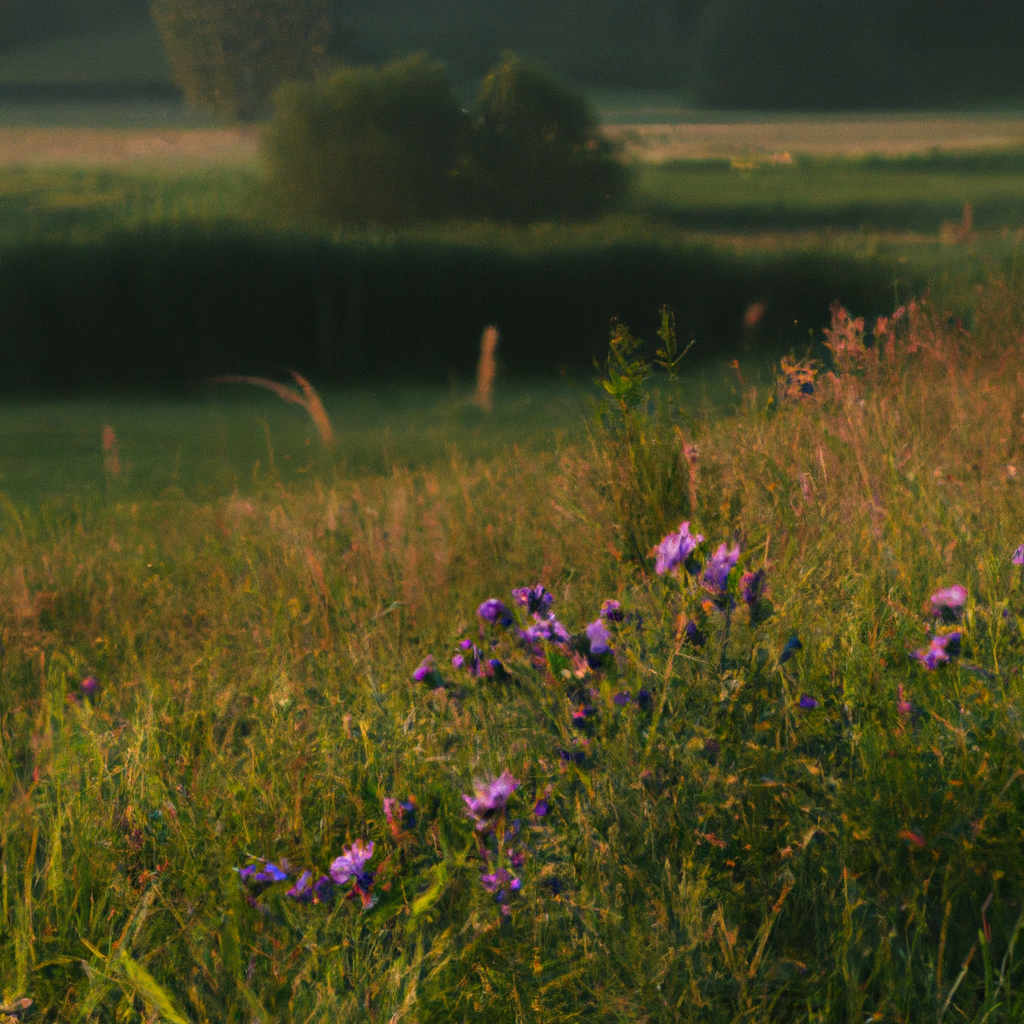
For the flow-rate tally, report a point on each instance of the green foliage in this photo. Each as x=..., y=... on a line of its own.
x=538, y=148
x=392, y=146
x=230, y=55
x=370, y=146
x=647, y=468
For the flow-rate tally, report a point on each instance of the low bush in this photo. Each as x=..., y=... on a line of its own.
x=538, y=148
x=393, y=146
x=369, y=145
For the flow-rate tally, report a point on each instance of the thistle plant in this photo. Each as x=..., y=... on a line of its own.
x=638, y=446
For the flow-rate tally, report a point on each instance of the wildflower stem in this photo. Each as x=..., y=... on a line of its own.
x=666, y=677
x=725, y=635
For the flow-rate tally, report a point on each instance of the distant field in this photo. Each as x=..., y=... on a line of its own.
x=129, y=136
x=112, y=147
x=742, y=134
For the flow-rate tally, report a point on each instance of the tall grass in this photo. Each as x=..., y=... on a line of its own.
x=752, y=834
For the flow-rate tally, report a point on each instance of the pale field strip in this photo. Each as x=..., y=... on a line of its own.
x=142, y=148
x=852, y=136
x=883, y=134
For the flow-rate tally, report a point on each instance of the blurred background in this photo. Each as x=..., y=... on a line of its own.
x=756, y=54
x=766, y=159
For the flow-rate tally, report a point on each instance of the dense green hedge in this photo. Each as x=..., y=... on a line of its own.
x=165, y=307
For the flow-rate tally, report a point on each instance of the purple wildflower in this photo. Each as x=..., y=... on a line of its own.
x=495, y=669
x=541, y=808
x=323, y=890
x=352, y=864
x=490, y=799
x=720, y=564
x=1018, y=556
x=599, y=637
x=612, y=610
x=495, y=611
x=808, y=703
x=792, y=646
x=752, y=586
x=948, y=603
x=90, y=687
x=903, y=706
x=622, y=698
x=266, y=875
x=536, y=600
x=502, y=884
x=645, y=699
x=581, y=714
x=302, y=890
x=401, y=814
x=675, y=549
x=939, y=651
x=572, y=756
x=469, y=660
x=694, y=635
x=427, y=671
x=549, y=629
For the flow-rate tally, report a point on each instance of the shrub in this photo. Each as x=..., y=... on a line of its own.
x=369, y=146
x=230, y=55
x=538, y=150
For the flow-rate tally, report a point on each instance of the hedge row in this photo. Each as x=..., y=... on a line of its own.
x=165, y=307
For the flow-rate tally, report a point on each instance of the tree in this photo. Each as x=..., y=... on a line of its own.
x=230, y=55
x=369, y=146
x=537, y=147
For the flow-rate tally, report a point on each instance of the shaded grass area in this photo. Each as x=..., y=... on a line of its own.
x=757, y=838
x=234, y=439
x=914, y=194
x=192, y=260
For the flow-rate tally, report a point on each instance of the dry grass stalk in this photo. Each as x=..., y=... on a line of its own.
x=487, y=368
x=308, y=400
x=111, y=455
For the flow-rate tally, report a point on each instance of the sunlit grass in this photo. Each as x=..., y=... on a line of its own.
x=756, y=839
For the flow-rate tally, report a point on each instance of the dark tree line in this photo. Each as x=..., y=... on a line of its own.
x=834, y=54
x=799, y=54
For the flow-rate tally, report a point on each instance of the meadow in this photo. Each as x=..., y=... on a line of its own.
x=544, y=754
x=445, y=716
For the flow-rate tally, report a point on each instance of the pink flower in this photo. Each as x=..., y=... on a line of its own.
x=490, y=799
x=948, y=603
x=351, y=864
x=903, y=706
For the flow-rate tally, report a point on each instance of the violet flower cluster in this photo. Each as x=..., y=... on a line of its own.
x=941, y=650
x=676, y=549
x=349, y=867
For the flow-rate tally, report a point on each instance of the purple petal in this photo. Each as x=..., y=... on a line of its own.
x=495, y=611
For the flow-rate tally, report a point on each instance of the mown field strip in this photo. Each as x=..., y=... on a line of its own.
x=95, y=147
x=881, y=134
x=733, y=135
